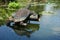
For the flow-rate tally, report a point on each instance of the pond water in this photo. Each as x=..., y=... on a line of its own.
x=47, y=29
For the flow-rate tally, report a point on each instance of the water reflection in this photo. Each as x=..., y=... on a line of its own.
x=56, y=30
x=49, y=7
x=25, y=30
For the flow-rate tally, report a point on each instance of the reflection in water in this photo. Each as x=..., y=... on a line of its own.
x=56, y=30
x=25, y=30
x=49, y=7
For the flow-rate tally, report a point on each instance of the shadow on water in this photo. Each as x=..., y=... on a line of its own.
x=25, y=30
